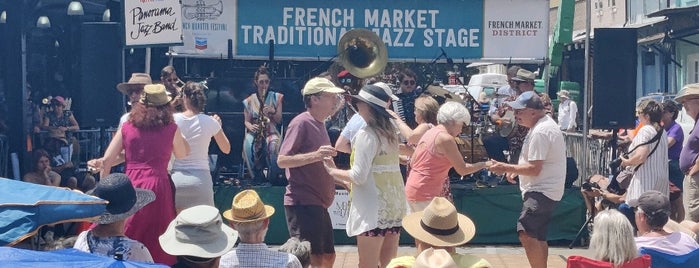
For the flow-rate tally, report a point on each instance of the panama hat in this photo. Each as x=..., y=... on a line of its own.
x=124, y=199
x=155, y=95
x=198, y=231
x=440, y=225
x=248, y=207
x=434, y=258
x=524, y=75
x=137, y=79
x=688, y=90
x=376, y=97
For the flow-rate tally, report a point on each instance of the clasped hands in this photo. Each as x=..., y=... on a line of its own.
x=500, y=168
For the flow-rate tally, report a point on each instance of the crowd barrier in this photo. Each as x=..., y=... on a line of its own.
x=598, y=153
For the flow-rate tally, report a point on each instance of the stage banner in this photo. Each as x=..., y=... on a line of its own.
x=339, y=210
x=413, y=30
x=152, y=22
x=207, y=27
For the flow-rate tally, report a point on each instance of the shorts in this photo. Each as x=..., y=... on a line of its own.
x=312, y=224
x=675, y=174
x=537, y=212
x=381, y=232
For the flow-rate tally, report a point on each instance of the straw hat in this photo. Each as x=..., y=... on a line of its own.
x=440, y=225
x=248, y=207
x=137, y=79
x=198, y=231
x=434, y=258
x=124, y=199
x=690, y=90
x=155, y=95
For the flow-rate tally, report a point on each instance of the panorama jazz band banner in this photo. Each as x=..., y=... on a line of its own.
x=152, y=22
x=413, y=30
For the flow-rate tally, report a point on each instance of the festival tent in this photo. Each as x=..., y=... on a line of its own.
x=25, y=207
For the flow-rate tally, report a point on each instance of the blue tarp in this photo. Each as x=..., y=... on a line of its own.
x=18, y=258
x=25, y=207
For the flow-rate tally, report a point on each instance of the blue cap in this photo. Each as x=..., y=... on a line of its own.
x=528, y=99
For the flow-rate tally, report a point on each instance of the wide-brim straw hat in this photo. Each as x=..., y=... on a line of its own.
x=199, y=232
x=440, y=225
x=376, y=97
x=137, y=79
x=248, y=207
x=155, y=95
x=689, y=90
x=124, y=199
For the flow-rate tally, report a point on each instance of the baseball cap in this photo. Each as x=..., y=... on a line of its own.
x=653, y=203
x=319, y=84
x=528, y=99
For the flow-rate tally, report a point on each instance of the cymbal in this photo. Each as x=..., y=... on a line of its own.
x=440, y=92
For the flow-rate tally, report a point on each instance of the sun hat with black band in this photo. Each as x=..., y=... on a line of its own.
x=124, y=199
x=376, y=97
x=440, y=225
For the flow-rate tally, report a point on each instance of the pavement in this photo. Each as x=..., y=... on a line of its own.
x=346, y=255
x=498, y=256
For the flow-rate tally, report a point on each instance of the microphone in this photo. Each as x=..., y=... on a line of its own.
x=449, y=60
x=271, y=50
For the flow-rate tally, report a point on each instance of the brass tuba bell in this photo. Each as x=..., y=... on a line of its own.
x=362, y=53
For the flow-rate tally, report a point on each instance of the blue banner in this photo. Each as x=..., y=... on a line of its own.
x=311, y=29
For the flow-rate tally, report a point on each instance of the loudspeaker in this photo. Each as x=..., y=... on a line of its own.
x=99, y=103
x=614, y=78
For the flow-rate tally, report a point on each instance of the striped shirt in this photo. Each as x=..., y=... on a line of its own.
x=257, y=255
x=653, y=173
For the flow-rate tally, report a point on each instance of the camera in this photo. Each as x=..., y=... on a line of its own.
x=589, y=186
x=615, y=164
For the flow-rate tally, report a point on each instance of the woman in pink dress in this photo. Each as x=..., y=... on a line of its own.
x=148, y=139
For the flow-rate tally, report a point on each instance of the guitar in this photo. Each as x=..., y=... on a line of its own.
x=506, y=124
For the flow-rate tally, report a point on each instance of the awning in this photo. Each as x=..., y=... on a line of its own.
x=651, y=38
x=673, y=11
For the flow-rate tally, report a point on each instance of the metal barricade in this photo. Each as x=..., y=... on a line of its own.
x=4, y=155
x=598, y=153
x=89, y=143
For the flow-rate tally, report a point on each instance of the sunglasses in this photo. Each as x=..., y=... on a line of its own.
x=263, y=81
x=409, y=82
x=345, y=81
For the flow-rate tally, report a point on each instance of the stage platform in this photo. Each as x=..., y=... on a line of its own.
x=493, y=210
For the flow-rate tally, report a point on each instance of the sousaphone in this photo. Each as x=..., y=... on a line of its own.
x=362, y=53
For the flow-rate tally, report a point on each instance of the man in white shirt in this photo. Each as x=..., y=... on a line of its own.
x=567, y=111
x=652, y=213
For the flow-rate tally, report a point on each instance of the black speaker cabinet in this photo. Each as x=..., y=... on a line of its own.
x=614, y=78
x=100, y=104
